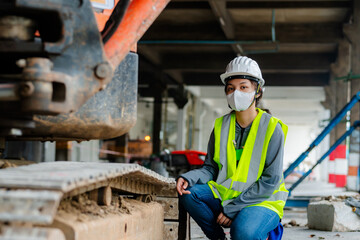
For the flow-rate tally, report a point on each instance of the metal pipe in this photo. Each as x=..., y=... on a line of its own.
x=214, y=42
x=273, y=26
x=263, y=51
x=322, y=135
x=332, y=148
x=8, y=92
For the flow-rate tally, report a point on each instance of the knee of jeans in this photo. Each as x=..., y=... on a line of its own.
x=244, y=233
x=186, y=199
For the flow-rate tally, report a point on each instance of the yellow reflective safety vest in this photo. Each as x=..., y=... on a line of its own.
x=233, y=177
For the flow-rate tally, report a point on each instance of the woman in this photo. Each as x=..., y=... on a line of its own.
x=241, y=184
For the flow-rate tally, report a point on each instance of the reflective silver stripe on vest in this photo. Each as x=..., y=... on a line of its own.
x=258, y=147
x=256, y=155
x=217, y=193
x=223, y=147
x=227, y=183
x=241, y=185
x=226, y=202
x=280, y=195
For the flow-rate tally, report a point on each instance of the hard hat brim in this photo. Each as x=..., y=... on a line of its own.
x=224, y=76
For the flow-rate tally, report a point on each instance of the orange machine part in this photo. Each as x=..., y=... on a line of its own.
x=138, y=18
x=101, y=18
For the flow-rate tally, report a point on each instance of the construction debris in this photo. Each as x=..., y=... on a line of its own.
x=333, y=214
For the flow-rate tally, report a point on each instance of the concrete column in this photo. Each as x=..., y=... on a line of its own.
x=339, y=69
x=203, y=141
x=49, y=151
x=180, y=144
x=180, y=96
x=157, y=114
x=198, y=123
x=352, y=31
x=340, y=98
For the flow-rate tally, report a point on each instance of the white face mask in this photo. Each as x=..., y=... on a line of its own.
x=240, y=101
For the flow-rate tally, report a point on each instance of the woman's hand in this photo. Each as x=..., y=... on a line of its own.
x=181, y=185
x=223, y=220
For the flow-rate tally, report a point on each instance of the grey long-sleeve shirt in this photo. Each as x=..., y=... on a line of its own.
x=261, y=189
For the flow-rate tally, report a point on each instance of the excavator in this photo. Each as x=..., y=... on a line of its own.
x=68, y=72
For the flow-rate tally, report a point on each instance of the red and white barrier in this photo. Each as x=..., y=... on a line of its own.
x=341, y=166
x=352, y=177
x=331, y=167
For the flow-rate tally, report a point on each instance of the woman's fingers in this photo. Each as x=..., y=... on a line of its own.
x=223, y=220
x=181, y=185
x=219, y=218
x=185, y=185
x=227, y=222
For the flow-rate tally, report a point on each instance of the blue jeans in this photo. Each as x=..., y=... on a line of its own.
x=250, y=223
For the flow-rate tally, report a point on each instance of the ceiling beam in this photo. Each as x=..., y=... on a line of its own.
x=147, y=52
x=237, y=4
x=289, y=4
x=285, y=33
x=218, y=61
x=213, y=79
x=226, y=23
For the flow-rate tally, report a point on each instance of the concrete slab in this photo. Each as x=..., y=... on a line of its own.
x=332, y=216
x=301, y=233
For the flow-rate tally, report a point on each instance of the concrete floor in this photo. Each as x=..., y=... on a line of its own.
x=300, y=216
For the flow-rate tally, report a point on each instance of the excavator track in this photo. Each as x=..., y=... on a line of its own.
x=30, y=195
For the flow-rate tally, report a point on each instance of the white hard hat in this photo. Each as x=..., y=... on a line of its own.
x=243, y=66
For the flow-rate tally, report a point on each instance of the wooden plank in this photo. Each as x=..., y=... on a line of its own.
x=67, y=176
x=34, y=233
x=138, y=222
x=171, y=230
x=167, y=191
x=171, y=207
x=29, y=206
x=184, y=224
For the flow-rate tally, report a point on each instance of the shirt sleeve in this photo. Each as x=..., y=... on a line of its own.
x=208, y=171
x=262, y=189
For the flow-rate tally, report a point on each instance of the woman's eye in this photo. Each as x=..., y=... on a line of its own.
x=242, y=87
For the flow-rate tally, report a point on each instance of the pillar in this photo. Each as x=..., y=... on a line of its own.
x=180, y=144
x=341, y=166
x=338, y=164
x=157, y=114
x=352, y=31
x=203, y=141
x=181, y=99
x=49, y=151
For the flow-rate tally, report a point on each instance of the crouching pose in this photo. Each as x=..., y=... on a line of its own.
x=241, y=183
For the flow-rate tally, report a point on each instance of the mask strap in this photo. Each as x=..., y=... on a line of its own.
x=257, y=91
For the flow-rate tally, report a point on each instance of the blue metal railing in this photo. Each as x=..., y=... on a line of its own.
x=332, y=148
x=323, y=134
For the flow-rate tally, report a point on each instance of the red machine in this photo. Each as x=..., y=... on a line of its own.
x=183, y=161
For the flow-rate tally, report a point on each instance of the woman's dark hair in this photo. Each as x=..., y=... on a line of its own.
x=256, y=85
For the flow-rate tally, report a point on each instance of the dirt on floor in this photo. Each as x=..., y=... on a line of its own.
x=85, y=209
x=13, y=163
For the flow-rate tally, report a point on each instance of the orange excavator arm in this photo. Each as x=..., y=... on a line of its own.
x=138, y=17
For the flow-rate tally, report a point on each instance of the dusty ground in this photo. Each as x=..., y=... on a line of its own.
x=85, y=209
x=13, y=163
